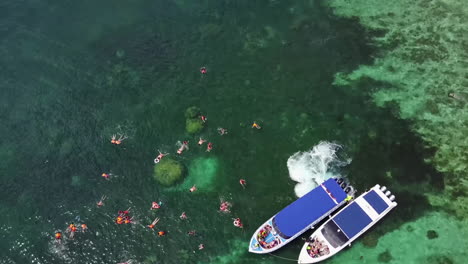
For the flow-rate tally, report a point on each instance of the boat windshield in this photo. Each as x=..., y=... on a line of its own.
x=334, y=235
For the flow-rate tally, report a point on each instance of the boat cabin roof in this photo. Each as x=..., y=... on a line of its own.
x=309, y=208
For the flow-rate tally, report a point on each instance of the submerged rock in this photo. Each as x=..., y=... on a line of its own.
x=431, y=234
x=194, y=126
x=385, y=257
x=169, y=171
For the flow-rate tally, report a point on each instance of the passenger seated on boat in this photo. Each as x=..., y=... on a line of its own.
x=317, y=249
x=264, y=232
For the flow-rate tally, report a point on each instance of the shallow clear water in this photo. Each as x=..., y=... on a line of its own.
x=74, y=73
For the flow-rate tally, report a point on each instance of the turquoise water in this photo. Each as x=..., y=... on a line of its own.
x=73, y=74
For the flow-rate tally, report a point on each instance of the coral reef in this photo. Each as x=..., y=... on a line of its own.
x=431, y=234
x=193, y=123
x=423, y=58
x=169, y=171
x=385, y=257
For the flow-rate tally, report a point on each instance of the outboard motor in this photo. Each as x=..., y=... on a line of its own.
x=383, y=188
x=392, y=197
x=387, y=193
x=340, y=181
x=348, y=189
x=343, y=185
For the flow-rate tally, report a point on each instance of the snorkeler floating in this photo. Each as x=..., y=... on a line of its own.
x=161, y=233
x=225, y=207
x=201, y=141
x=71, y=229
x=203, y=70
x=191, y=232
x=101, y=202
x=243, y=183
x=124, y=217
x=183, y=216
x=203, y=118
x=255, y=125
x=238, y=223
x=194, y=188
x=222, y=131
x=106, y=175
x=182, y=146
x=159, y=157
x=58, y=236
x=201, y=246
x=154, y=206
x=118, y=141
x=155, y=221
x=209, y=147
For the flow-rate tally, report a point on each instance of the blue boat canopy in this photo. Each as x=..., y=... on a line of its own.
x=376, y=201
x=352, y=220
x=309, y=208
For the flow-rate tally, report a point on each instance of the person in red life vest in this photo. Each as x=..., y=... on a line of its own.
x=155, y=205
x=243, y=183
x=201, y=141
x=120, y=139
x=194, y=188
x=84, y=227
x=183, y=216
x=101, y=202
x=255, y=125
x=106, y=176
x=183, y=146
x=201, y=246
x=209, y=147
x=72, y=229
x=161, y=233
x=159, y=157
x=119, y=220
x=58, y=236
x=238, y=223
x=203, y=118
x=203, y=70
x=222, y=131
x=155, y=221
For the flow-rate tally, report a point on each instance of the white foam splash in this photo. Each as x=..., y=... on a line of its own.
x=311, y=168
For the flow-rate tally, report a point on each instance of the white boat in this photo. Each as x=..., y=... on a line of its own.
x=347, y=225
x=300, y=216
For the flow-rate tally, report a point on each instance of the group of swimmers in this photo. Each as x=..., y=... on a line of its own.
x=123, y=217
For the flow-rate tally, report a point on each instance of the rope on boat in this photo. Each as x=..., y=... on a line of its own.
x=296, y=260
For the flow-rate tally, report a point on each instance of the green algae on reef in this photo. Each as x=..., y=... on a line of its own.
x=168, y=172
x=423, y=58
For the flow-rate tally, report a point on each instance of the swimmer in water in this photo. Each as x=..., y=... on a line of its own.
x=183, y=146
x=84, y=227
x=238, y=223
x=225, y=207
x=243, y=183
x=201, y=246
x=58, y=236
x=203, y=70
x=183, y=216
x=113, y=139
x=155, y=221
x=159, y=157
x=191, y=232
x=72, y=229
x=154, y=206
x=255, y=125
x=161, y=233
x=209, y=147
x=222, y=131
x=101, y=202
x=106, y=175
x=194, y=188
x=203, y=118
x=121, y=138
x=201, y=141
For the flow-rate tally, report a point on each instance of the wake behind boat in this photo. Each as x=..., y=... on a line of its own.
x=299, y=216
x=347, y=225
